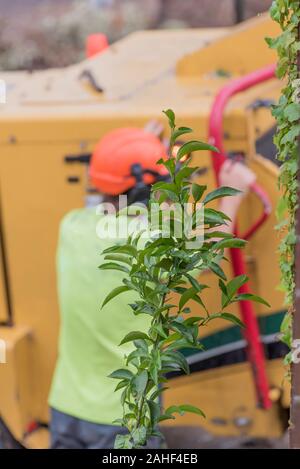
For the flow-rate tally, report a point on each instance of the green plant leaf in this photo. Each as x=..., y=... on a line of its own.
x=190, y=294
x=230, y=243
x=292, y=112
x=119, y=258
x=165, y=264
x=121, y=385
x=192, y=146
x=179, y=359
x=195, y=284
x=157, y=392
x=180, y=131
x=198, y=191
x=218, y=234
x=219, y=193
x=159, y=329
x=183, y=329
x=121, y=374
x=139, y=383
x=235, y=284
x=164, y=417
x=134, y=335
x=123, y=442
x=181, y=409
x=215, y=217
x=228, y=317
x=167, y=186
x=154, y=410
x=139, y=436
x=113, y=266
x=183, y=174
x=115, y=292
x=121, y=249
x=171, y=116
x=217, y=270
x=249, y=296
x=161, y=266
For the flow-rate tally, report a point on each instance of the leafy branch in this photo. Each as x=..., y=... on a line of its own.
x=287, y=113
x=163, y=271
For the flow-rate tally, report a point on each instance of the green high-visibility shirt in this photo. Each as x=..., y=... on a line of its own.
x=89, y=335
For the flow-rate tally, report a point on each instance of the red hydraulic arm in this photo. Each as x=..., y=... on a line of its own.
x=254, y=346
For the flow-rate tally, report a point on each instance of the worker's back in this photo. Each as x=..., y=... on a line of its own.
x=89, y=336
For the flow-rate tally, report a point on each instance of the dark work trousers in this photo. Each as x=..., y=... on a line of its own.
x=69, y=432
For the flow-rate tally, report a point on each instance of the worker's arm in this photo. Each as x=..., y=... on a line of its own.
x=238, y=176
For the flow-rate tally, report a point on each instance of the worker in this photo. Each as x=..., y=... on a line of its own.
x=82, y=400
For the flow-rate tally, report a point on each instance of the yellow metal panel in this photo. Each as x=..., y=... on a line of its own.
x=3, y=299
x=17, y=380
x=240, y=52
x=30, y=224
x=226, y=394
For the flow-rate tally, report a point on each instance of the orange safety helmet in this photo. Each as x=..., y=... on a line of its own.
x=116, y=153
x=95, y=44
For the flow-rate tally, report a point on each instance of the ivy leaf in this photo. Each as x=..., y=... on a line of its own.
x=292, y=112
x=291, y=135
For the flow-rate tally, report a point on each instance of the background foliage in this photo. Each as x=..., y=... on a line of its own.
x=50, y=33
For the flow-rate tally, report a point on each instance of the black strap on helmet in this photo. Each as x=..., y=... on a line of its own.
x=141, y=191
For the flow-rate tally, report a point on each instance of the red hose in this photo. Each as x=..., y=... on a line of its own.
x=255, y=349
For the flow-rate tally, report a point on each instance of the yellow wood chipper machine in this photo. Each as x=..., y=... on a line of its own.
x=50, y=124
